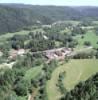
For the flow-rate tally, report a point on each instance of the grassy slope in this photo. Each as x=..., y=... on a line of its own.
x=3, y=38
x=33, y=72
x=76, y=71
x=89, y=36
x=9, y=35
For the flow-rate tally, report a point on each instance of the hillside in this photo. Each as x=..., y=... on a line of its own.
x=48, y=52
x=14, y=17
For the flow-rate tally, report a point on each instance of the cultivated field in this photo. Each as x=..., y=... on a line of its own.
x=76, y=71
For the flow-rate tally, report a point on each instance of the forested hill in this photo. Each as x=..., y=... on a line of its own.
x=14, y=17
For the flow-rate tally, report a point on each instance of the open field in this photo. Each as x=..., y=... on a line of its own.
x=76, y=71
x=33, y=72
x=95, y=22
x=3, y=38
x=9, y=35
x=89, y=36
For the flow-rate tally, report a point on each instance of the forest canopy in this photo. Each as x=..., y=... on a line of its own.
x=18, y=16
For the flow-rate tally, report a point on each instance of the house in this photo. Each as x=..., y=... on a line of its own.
x=66, y=51
x=14, y=53
x=49, y=55
x=45, y=37
x=20, y=52
x=1, y=53
x=59, y=53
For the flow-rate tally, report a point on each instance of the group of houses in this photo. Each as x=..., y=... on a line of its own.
x=14, y=53
x=58, y=54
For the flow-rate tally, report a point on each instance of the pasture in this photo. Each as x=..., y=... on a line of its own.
x=33, y=72
x=89, y=36
x=76, y=71
x=4, y=37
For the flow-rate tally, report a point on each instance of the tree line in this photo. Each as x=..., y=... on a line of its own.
x=87, y=90
x=16, y=17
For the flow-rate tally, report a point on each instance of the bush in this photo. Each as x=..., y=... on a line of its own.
x=21, y=88
x=82, y=37
x=87, y=43
x=96, y=55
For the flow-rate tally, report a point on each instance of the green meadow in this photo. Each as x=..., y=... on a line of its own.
x=76, y=71
x=33, y=72
x=89, y=36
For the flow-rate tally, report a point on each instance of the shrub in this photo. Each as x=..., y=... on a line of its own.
x=87, y=43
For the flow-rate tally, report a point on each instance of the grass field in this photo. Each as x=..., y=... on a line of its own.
x=76, y=71
x=33, y=72
x=95, y=22
x=89, y=36
x=22, y=98
x=3, y=38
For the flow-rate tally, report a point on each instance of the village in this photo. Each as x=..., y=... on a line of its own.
x=57, y=53
x=52, y=54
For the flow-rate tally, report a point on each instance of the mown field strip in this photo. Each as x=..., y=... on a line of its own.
x=76, y=71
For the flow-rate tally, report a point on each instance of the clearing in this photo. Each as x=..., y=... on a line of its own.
x=33, y=72
x=4, y=37
x=76, y=71
x=89, y=36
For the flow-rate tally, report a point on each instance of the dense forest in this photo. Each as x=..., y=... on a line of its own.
x=15, y=17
